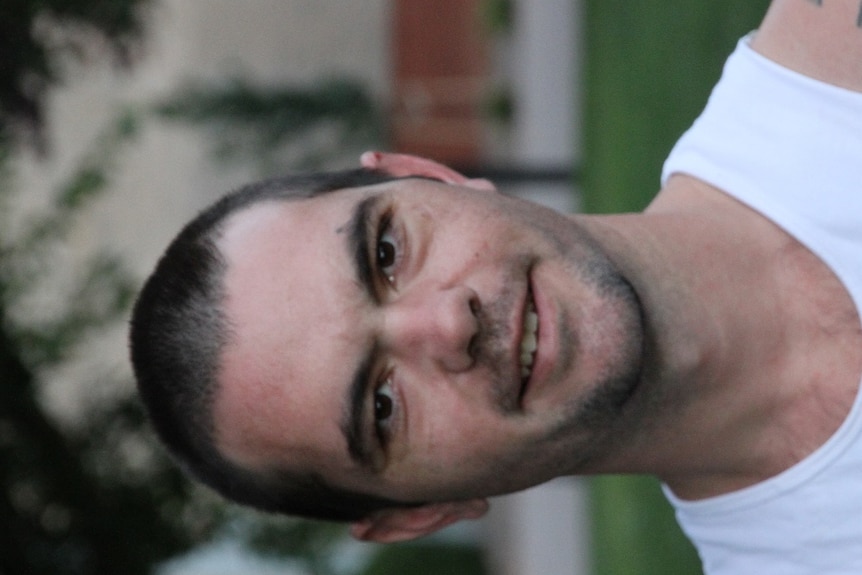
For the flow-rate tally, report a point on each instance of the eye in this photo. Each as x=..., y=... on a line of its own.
x=388, y=251
x=384, y=406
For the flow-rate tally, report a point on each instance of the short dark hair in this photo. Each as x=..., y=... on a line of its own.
x=178, y=330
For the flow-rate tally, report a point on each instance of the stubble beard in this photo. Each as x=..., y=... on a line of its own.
x=591, y=427
x=594, y=424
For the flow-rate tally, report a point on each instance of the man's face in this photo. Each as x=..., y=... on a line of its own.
x=382, y=337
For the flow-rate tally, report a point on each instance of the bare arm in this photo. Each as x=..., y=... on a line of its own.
x=819, y=38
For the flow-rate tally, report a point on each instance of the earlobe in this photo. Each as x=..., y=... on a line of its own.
x=404, y=524
x=405, y=165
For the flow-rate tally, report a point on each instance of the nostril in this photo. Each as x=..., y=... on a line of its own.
x=475, y=306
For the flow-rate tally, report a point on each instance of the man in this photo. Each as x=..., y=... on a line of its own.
x=394, y=345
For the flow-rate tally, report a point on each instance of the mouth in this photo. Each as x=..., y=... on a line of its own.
x=529, y=342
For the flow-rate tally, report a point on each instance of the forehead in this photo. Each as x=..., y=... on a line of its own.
x=299, y=327
x=289, y=292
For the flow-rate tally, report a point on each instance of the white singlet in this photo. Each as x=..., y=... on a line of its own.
x=789, y=147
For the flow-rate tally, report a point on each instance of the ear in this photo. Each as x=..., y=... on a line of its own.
x=404, y=165
x=405, y=523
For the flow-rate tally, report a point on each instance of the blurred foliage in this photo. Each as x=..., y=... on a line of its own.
x=498, y=15
x=321, y=548
x=426, y=559
x=311, y=544
x=650, y=67
x=27, y=259
x=93, y=496
x=499, y=105
x=37, y=35
x=282, y=127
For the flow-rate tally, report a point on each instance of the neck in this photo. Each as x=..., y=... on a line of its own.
x=740, y=323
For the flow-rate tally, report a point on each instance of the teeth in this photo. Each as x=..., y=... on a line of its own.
x=531, y=321
x=528, y=341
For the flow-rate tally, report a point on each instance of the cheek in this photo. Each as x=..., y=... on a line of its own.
x=456, y=433
x=467, y=252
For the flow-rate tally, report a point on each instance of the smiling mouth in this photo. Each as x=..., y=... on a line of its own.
x=529, y=341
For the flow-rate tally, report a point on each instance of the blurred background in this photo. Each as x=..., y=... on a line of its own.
x=120, y=119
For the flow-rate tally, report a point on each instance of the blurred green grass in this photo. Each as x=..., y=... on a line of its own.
x=649, y=68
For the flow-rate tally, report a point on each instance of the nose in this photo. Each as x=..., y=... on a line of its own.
x=437, y=325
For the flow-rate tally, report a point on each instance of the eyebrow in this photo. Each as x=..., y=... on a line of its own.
x=358, y=240
x=359, y=230
x=352, y=426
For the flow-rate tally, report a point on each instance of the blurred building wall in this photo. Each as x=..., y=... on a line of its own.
x=440, y=78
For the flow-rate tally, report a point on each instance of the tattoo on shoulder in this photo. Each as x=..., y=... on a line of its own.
x=858, y=16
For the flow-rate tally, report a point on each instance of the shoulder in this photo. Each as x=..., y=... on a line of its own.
x=821, y=39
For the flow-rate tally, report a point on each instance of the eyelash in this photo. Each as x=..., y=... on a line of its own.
x=385, y=229
x=383, y=427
